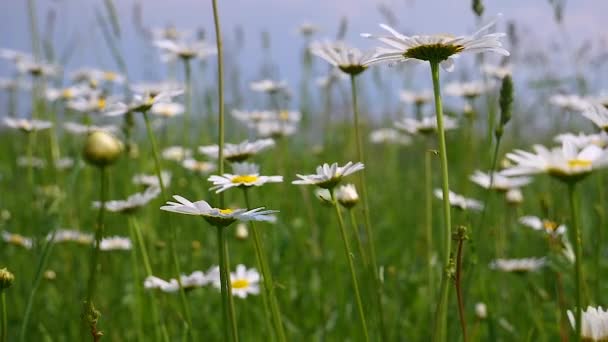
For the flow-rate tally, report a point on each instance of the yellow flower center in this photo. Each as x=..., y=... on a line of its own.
x=101, y=103
x=149, y=100
x=579, y=163
x=550, y=225
x=67, y=94
x=244, y=179
x=240, y=283
x=16, y=240
x=226, y=211
x=110, y=76
x=284, y=115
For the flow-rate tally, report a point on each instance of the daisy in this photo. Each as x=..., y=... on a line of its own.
x=217, y=217
x=568, y=163
x=269, y=86
x=155, y=88
x=170, y=32
x=115, y=243
x=598, y=114
x=172, y=49
x=14, y=84
x=252, y=117
x=152, y=180
x=32, y=162
x=549, y=226
x=496, y=71
x=176, y=153
x=80, y=129
x=142, y=102
x=198, y=166
x=418, y=98
x=569, y=102
x=481, y=310
x=324, y=196
x=514, y=196
x=594, y=324
x=389, y=136
x=347, y=195
x=27, y=126
x=243, y=282
x=14, y=55
x=193, y=280
x=581, y=140
x=64, y=163
x=244, y=175
x=435, y=48
x=238, y=152
x=518, y=265
x=152, y=282
x=132, y=202
x=469, y=90
x=93, y=77
x=350, y=60
x=65, y=94
x=275, y=129
x=498, y=181
x=92, y=102
x=17, y=240
x=327, y=176
x=37, y=69
x=167, y=110
x=459, y=201
x=426, y=125
x=63, y=235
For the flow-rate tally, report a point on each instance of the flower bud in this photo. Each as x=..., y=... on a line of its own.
x=347, y=195
x=481, y=311
x=6, y=279
x=241, y=231
x=102, y=149
x=477, y=7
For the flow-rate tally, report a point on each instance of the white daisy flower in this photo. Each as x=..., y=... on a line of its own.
x=65, y=94
x=80, y=129
x=27, y=125
x=168, y=109
x=594, y=325
x=17, y=240
x=275, y=129
x=241, y=232
x=597, y=113
x=142, y=102
x=152, y=180
x=93, y=102
x=581, y=140
x=418, y=98
x=243, y=282
x=170, y=32
x=348, y=59
x=14, y=55
x=252, y=117
x=324, y=196
x=499, y=182
x=347, y=195
x=199, y=166
x=176, y=153
x=244, y=175
x=514, y=196
x=238, y=152
x=567, y=163
x=156, y=87
x=115, y=243
x=217, y=217
x=93, y=77
x=481, y=310
x=546, y=225
x=269, y=86
x=132, y=202
x=427, y=125
x=14, y=84
x=152, y=282
x=37, y=69
x=389, y=136
x=569, y=102
x=459, y=201
x=469, y=90
x=64, y=163
x=194, y=280
x=518, y=265
x=497, y=71
x=33, y=162
x=435, y=48
x=172, y=49
x=327, y=176
x=64, y=235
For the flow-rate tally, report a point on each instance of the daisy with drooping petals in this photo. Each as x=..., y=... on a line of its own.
x=152, y=180
x=63, y=235
x=270, y=86
x=426, y=125
x=238, y=152
x=17, y=240
x=244, y=175
x=438, y=48
x=27, y=126
x=567, y=163
x=167, y=109
x=389, y=136
x=570, y=102
x=142, y=102
x=176, y=153
x=594, y=324
x=350, y=60
x=115, y=243
x=132, y=203
x=549, y=226
x=417, y=98
x=77, y=128
x=217, y=217
x=468, y=90
x=497, y=71
x=498, y=182
x=172, y=49
x=328, y=176
x=598, y=114
x=203, y=167
x=459, y=201
x=518, y=265
x=581, y=140
x=152, y=282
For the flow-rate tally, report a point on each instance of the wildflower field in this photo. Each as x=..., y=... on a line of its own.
x=407, y=186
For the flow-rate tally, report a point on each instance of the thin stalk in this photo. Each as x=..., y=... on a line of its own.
x=578, y=276
x=441, y=316
x=267, y=276
x=428, y=191
x=365, y=207
x=351, y=265
x=230, y=328
x=31, y=10
x=458, y=284
x=4, y=336
x=355, y=225
x=188, y=100
x=30, y=155
x=94, y=261
x=138, y=303
x=173, y=237
x=487, y=197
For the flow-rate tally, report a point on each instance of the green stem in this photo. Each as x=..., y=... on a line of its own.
x=351, y=265
x=428, y=188
x=267, y=276
x=578, y=276
x=230, y=328
x=441, y=310
x=138, y=303
x=365, y=207
x=94, y=263
x=30, y=155
x=220, y=90
x=4, y=335
x=188, y=100
x=31, y=10
x=355, y=225
x=173, y=236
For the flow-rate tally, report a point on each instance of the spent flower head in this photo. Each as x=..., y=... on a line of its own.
x=350, y=60
x=238, y=152
x=594, y=325
x=132, y=203
x=347, y=195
